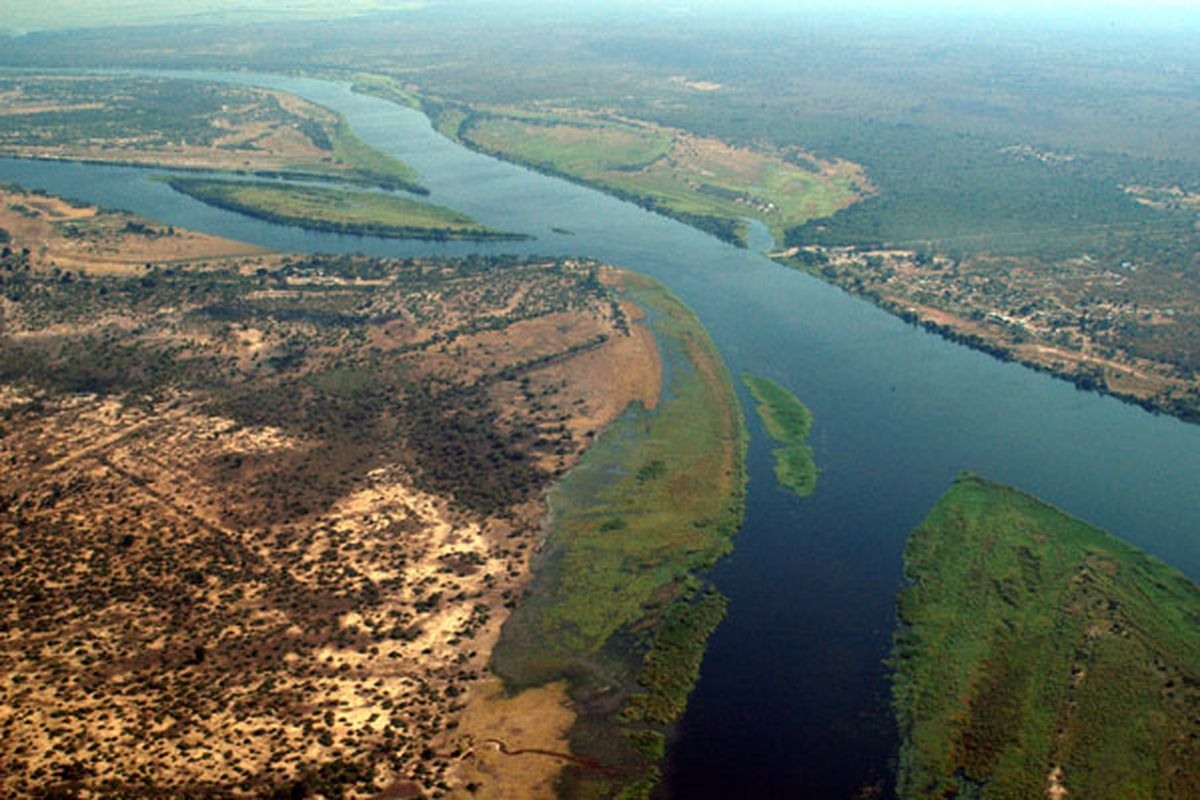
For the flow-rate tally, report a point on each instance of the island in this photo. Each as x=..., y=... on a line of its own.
x=345, y=211
x=1038, y=656
x=789, y=422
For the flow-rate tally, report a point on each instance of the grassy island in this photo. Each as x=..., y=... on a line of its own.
x=322, y=208
x=1041, y=657
x=616, y=607
x=789, y=422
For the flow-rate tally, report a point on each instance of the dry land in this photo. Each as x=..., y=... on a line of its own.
x=186, y=124
x=72, y=237
x=264, y=516
x=1040, y=657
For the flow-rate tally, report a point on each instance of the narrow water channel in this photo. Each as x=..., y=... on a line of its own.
x=792, y=701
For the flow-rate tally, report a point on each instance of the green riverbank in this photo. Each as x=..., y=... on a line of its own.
x=1041, y=657
x=616, y=606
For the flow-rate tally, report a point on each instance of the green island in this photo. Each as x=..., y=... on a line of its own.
x=337, y=210
x=1041, y=657
x=704, y=182
x=789, y=422
x=616, y=606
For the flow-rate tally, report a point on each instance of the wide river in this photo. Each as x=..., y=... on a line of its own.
x=793, y=697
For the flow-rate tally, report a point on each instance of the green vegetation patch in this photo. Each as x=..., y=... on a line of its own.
x=369, y=164
x=1037, y=653
x=672, y=665
x=337, y=210
x=701, y=182
x=657, y=498
x=789, y=422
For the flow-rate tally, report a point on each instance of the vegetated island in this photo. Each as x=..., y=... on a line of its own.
x=1038, y=656
x=617, y=618
x=789, y=422
x=321, y=208
x=262, y=516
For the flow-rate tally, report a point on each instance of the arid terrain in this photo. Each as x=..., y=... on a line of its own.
x=263, y=516
x=74, y=237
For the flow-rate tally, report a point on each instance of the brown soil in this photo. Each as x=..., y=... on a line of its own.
x=79, y=238
x=233, y=583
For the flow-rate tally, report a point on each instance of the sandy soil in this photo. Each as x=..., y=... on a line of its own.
x=80, y=238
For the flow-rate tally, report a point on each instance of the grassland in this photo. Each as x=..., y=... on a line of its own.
x=358, y=213
x=1041, y=657
x=789, y=422
x=702, y=181
x=656, y=499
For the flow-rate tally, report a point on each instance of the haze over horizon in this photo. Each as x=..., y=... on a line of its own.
x=1167, y=15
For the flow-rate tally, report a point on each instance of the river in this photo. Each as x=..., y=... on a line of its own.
x=793, y=697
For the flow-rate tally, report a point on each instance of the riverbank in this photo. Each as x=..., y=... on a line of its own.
x=1098, y=339
x=617, y=606
x=703, y=182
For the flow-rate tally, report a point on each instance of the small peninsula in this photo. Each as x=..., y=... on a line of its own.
x=789, y=422
x=1041, y=657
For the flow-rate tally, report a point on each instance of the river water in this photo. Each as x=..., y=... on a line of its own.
x=793, y=697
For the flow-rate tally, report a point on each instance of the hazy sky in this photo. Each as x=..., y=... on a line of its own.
x=31, y=14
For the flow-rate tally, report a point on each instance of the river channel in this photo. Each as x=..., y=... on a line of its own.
x=793, y=697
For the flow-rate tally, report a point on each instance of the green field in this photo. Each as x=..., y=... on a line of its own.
x=1038, y=652
x=789, y=422
x=337, y=210
x=702, y=182
x=615, y=606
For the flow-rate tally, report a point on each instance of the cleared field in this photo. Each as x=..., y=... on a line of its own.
x=704, y=182
x=1042, y=657
x=69, y=236
x=337, y=210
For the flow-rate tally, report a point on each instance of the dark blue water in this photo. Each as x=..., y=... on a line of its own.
x=793, y=696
